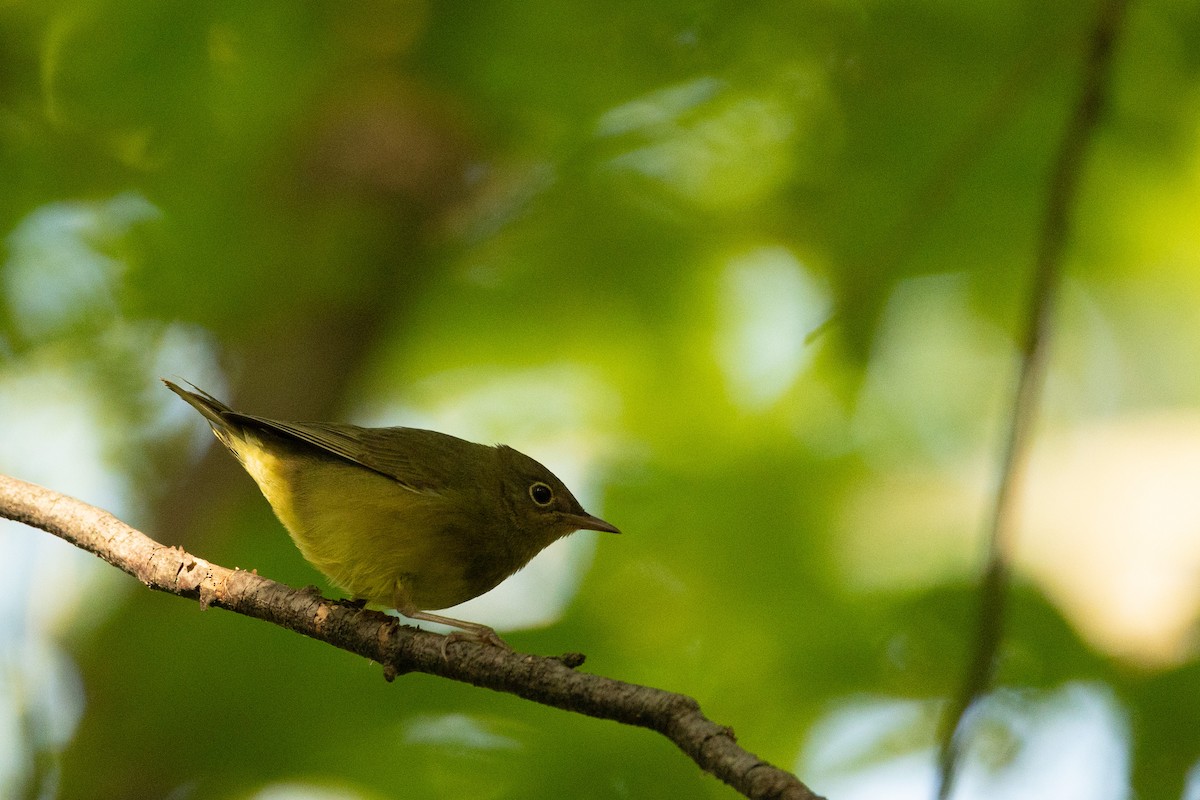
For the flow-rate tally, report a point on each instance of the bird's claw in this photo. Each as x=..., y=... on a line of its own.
x=486, y=636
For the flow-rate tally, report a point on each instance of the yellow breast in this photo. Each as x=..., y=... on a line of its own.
x=364, y=531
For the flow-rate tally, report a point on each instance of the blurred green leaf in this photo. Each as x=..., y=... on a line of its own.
x=605, y=233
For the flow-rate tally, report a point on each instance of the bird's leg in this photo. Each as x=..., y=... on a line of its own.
x=469, y=630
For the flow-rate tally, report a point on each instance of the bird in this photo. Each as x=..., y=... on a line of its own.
x=404, y=518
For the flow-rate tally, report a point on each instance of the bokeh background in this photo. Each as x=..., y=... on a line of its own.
x=748, y=276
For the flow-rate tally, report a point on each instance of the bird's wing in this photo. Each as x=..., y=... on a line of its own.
x=421, y=460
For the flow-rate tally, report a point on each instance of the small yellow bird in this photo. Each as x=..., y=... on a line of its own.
x=409, y=519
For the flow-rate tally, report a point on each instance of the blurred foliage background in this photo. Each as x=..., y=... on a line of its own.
x=606, y=234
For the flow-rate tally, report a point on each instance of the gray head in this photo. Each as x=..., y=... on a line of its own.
x=539, y=501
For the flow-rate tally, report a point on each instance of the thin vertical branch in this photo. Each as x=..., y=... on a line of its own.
x=1062, y=190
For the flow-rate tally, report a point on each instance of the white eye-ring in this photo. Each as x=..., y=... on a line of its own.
x=541, y=493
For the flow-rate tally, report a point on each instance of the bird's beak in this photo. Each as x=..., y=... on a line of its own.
x=586, y=522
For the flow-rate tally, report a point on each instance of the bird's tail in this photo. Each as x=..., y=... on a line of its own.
x=212, y=408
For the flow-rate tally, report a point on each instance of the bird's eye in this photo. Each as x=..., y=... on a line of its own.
x=541, y=493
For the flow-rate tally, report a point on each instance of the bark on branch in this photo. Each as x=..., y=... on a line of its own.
x=400, y=649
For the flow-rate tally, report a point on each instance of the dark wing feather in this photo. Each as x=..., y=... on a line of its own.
x=421, y=460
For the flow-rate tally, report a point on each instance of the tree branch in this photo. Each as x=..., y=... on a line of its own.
x=1062, y=188
x=399, y=648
